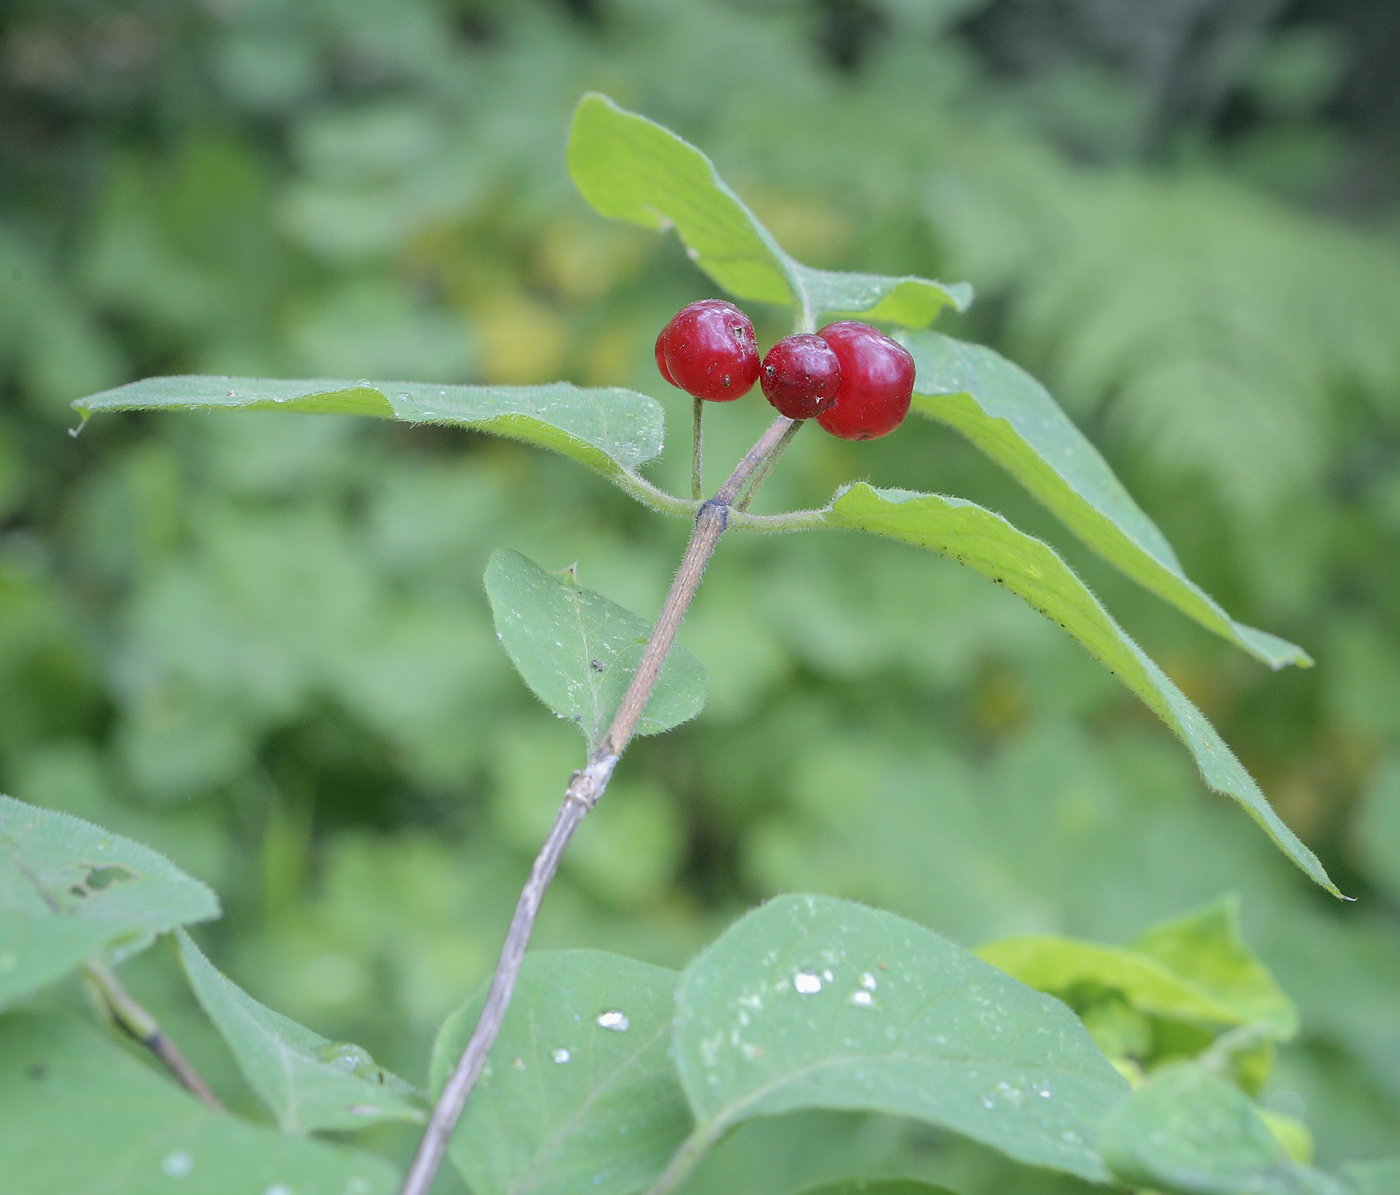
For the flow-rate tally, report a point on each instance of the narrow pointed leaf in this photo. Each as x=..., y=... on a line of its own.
x=1189, y=1132
x=579, y=1094
x=631, y=168
x=70, y=890
x=1013, y=419
x=609, y=430
x=80, y=1116
x=986, y=542
x=307, y=1081
x=578, y=651
x=813, y=1002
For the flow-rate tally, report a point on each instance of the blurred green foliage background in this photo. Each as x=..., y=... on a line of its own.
x=260, y=642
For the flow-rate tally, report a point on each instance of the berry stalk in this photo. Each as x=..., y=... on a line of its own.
x=585, y=788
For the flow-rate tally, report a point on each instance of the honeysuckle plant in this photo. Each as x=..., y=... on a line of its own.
x=585, y=1071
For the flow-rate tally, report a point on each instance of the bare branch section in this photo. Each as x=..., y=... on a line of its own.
x=136, y=1021
x=585, y=788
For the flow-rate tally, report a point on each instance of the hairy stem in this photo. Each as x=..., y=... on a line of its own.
x=136, y=1021
x=585, y=787
x=697, y=450
x=768, y=462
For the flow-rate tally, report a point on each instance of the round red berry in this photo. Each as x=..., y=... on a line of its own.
x=800, y=376
x=877, y=380
x=661, y=356
x=709, y=351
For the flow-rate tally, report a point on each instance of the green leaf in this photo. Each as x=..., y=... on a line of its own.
x=610, y=430
x=81, y=1116
x=579, y=1094
x=813, y=1002
x=879, y=1186
x=1193, y=968
x=578, y=651
x=1206, y=946
x=70, y=890
x=1011, y=417
x=1190, y=1132
x=631, y=168
x=308, y=1081
x=986, y=542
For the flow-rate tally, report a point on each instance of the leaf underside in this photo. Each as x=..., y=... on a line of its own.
x=1013, y=419
x=986, y=542
x=609, y=429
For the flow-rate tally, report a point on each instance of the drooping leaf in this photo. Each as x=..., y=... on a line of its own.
x=1206, y=947
x=1013, y=419
x=610, y=430
x=813, y=1002
x=1190, y=1132
x=579, y=1094
x=81, y=1116
x=309, y=1082
x=986, y=542
x=1192, y=968
x=70, y=890
x=631, y=168
x=578, y=651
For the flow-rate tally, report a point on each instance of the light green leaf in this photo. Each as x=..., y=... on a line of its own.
x=579, y=1094
x=813, y=1002
x=1206, y=947
x=1029, y=568
x=81, y=1116
x=631, y=168
x=1190, y=1132
x=70, y=890
x=578, y=651
x=1192, y=968
x=308, y=1081
x=1012, y=418
x=610, y=430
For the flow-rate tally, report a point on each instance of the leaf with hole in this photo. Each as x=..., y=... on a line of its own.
x=309, y=1082
x=1012, y=418
x=631, y=168
x=80, y=1116
x=578, y=651
x=812, y=1002
x=610, y=430
x=579, y=1093
x=1189, y=1132
x=69, y=890
x=986, y=542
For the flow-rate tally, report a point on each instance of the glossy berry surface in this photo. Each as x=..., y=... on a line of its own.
x=800, y=376
x=709, y=350
x=877, y=380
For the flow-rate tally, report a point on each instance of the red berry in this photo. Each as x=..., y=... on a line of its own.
x=800, y=376
x=661, y=357
x=709, y=351
x=877, y=379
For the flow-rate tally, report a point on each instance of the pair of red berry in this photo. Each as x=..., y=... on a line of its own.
x=853, y=379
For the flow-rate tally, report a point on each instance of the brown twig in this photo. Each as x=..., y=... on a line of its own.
x=138, y=1023
x=585, y=787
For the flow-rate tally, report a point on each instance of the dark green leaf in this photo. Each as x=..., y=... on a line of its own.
x=70, y=890
x=579, y=1094
x=1012, y=418
x=1190, y=1132
x=812, y=1002
x=988, y=543
x=631, y=168
x=610, y=430
x=578, y=651
x=308, y=1081
x=80, y=1116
